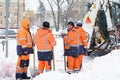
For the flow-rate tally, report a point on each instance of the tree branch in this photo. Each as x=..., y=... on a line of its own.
x=62, y=3
x=56, y=3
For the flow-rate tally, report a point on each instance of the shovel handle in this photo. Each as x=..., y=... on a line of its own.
x=53, y=60
x=65, y=63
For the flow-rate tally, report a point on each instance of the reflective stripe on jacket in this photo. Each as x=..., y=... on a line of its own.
x=83, y=37
x=24, y=37
x=72, y=38
x=44, y=39
x=75, y=40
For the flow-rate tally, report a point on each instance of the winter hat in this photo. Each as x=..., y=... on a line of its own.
x=71, y=23
x=46, y=24
x=79, y=23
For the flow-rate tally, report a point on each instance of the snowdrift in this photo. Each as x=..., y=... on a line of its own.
x=101, y=68
x=7, y=68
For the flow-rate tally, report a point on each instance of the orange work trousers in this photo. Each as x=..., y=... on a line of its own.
x=74, y=63
x=43, y=65
x=22, y=63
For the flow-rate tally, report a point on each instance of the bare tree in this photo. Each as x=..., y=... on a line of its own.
x=41, y=13
x=53, y=13
x=76, y=10
x=67, y=10
x=82, y=7
x=30, y=15
x=58, y=4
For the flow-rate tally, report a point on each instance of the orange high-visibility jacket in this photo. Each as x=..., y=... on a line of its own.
x=24, y=38
x=72, y=37
x=83, y=37
x=76, y=36
x=44, y=39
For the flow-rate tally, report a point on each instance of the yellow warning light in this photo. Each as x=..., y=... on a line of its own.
x=94, y=6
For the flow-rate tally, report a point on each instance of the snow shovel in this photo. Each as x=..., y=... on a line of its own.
x=33, y=70
x=53, y=60
x=65, y=63
x=64, y=56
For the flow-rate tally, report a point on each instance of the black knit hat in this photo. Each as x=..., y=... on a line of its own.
x=71, y=23
x=46, y=24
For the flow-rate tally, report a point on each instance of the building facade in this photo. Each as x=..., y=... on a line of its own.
x=16, y=13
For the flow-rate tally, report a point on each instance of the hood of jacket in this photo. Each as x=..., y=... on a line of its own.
x=43, y=31
x=25, y=24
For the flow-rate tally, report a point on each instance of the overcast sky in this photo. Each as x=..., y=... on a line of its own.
x=33, y=4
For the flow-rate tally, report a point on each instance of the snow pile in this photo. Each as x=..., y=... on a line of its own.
x=7, y=69
x=104, y=68
x=101, y=68
x=8, y=65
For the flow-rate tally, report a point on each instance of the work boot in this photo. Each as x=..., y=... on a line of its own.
x=19, y=79
x=24, y=76
x=18, y=76
x=76, y=71
x=69, y=72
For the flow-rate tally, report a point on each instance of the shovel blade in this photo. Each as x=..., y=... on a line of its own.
x=33, y=71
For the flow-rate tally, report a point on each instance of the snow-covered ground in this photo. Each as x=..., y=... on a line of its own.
x=7, y=65
x=100, y=68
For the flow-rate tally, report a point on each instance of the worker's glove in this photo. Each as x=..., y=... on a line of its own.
x=33, y=43
x=30, y=50
x=19, y=50
x=85, y=51
x=63, y=35
x=25, y=50
x=19, y=55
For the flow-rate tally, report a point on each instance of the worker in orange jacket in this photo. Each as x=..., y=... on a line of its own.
x=83, y=37
x=24, y=48
x=83, y=42
x=45, y=42
x=73, y=48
